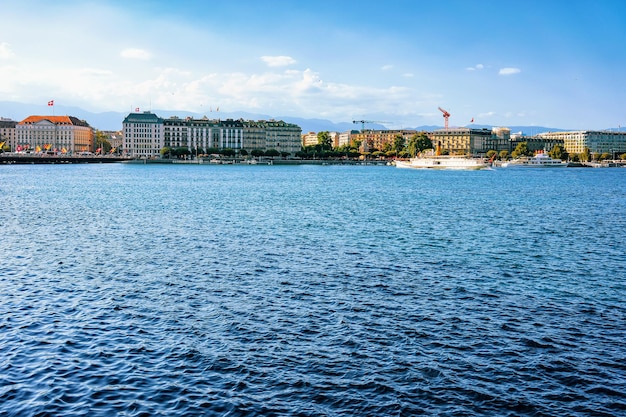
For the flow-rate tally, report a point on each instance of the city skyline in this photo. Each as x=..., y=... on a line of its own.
x=550, y=64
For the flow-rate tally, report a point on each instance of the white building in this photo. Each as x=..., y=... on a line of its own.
x=143, y=135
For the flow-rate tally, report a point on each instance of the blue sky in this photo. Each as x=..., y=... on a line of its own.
x=503, y=63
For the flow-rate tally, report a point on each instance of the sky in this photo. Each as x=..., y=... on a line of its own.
x=555, y=63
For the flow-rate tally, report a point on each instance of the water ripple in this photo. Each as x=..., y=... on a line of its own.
x=311, y=291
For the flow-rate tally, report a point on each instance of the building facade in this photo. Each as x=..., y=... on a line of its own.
x=145, y=134
x=575, y=142
x=377, y=139
x=65, y=134
x=8, y=133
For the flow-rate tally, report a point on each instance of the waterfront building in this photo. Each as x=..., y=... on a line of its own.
x=115, y=138
x=199, y=135
x=143, y=135
x=54, y=133
x=465, y=140
x=604, y=141
x=535, y=143
x=7, y=133
x=282, y=136
x=344, y=138
x=309, y=139
x=377, y=139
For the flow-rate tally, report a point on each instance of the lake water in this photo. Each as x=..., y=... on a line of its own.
x=178, y=290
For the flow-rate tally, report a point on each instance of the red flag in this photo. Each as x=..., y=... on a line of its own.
x=137, y=109
x=472, y=120
x=51, y=103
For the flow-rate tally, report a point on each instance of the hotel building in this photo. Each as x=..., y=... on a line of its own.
x=54, y=133
x=613, y=143
x=468, y=141
x=145, y=134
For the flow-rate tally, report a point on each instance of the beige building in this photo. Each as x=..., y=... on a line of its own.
x=377, y=139
x=604, y=141
x=468, y=141
x=54, y=133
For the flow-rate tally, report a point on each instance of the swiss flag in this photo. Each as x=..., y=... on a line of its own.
x=51, y=103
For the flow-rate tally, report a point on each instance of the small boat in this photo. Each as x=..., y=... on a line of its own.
x=444, y=162
x=541, y=160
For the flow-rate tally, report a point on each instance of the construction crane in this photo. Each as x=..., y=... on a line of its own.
x=365, y=121
x=445, y=117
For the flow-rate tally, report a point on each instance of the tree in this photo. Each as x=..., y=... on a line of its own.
x=324, y=140
x=558, y=152
x=419, y=143
x=166, y=152
x=257, y=152
x=585, y=156
x=228, y=152
x=521, y=150
x=102, y=142
x=398, y=143
x=491, y=153
x=272, y=152
x=243, y=152
x=504, y=155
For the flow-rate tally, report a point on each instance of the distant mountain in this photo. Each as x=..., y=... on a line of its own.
x=113, y=120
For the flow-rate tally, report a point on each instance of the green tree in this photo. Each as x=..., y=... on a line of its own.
x=257, y=152
x=102, y=142
x=324, y=140
x=623, y=157
x=558, y=152
x=585, y=156
x=419, y=143
x=272, y=152
x=504, y=155
x=491, y=153
x=243, y=152
x=166, y=152
x=521, y=150
x=399, y=143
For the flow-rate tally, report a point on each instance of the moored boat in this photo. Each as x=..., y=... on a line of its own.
x=541, y=160
x=444, y=162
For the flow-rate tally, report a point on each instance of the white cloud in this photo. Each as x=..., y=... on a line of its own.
x=475, y=67
x=509, y=71
x=278, y=61
x=135, y=53
x=387, y=67
x=5, y=51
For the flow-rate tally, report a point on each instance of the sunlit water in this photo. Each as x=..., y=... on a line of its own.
x=326, y=290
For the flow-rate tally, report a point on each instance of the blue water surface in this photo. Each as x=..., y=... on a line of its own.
x=178, y=290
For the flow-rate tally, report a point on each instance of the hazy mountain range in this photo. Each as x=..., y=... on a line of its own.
x=113, y=120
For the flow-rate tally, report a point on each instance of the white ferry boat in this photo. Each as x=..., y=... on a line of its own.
x=443, y=162
x=541, y=160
